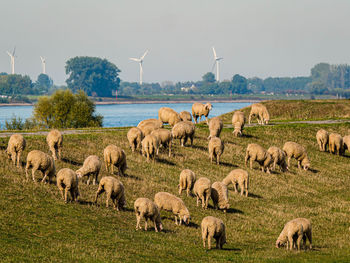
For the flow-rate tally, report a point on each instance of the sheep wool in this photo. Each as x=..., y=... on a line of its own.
x=215, y=127
x=91, y=168
x=15, y=147
x=67, y=180
x=213, y=227
x=55, y=141
x=216, y=149
x=238, y=177
x=219, y=195
x=115, y=156
x=38, y=160
x=199, y=110
x=114, y=190
x=187, y=180
x=147, y=209
x=202, y=190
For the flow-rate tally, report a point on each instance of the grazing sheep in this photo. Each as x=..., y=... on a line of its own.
x=150, y=146
x=322, y=137
x=67, y=180
x=187, y=179
x=216, y=148
x=202, y=190
x=182, y=131
x=147, y=128
x=115, y=156
x=213, y=227
x=168, y=115
x=336, y=143
x=219, y=195
x=157, y=123
x=199, y=109
x=15, y=147
x=91, y=168
x=295, y=150
x=171, y=203
x=185, y=116
x=164, y=138
x=38, y=160
x=145, y=208
x=238, y=121
x=135, y=137
x=278, y=157
x=215, y=127
x=346, y=142
x=55, y=140
x=257, y=153
x=238, y=177
x=261, y=112
x=114, y=190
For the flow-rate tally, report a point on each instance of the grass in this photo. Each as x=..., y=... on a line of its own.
x=36, y=225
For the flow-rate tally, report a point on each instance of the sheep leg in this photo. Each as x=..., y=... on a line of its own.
x=175, y=220
x=33, y=173
x=309, y=236
x=300, y=237
x=88, y=181
x=66, y=194
x=203, y=201
x=100, y=190
x=235, y=187
x=246, y=159
x=209, y=242
x=27, y=167
x=197, y=200
x=195, y=118
x=217, y=159
x=251, y=163
x=242, y=188
x=13, y=158
x=169, y=149
x=146, y=226
x=95, y=179
x=180, y=220
x=138, y=219
x=18, y=159
x=155, y=225
x=108, y=196
x=288, y=161
x=206, y=118
x=59, y=153
x=206, y=201
x=250, y=117
x=61, y=190
x=290, y=242
x=107, y=166
x=44, y=178
x=112, y=168
x=299, y=165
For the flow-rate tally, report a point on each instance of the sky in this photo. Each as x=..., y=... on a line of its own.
x=256, y=38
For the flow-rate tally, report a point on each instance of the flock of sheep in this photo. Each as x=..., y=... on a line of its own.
x=148, y=137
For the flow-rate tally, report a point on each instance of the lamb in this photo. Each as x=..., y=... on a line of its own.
x=295, y=150
x=55, y=140
x=135, y=137
x=150, y=146
x=257, y=153
x=219, y=195
x=322, y=138
x=168, y=115
x=38, y=160
x=279, y=157
x=157, y=123
x=336, y=144
x=346, y=142
x=238, y=177
x=215, y=127
x=115, y=156
x=187, y=179
x=91, y=168
x=216, y=148
x=164, y=138
x=293, y=232
x=171, y=203
x=199, y=109
x=182, y=131
x=213, y=227
x=185, y=116
x=238, y=121
x=202, y=190
x=145, y=208
x=67, y=180
x=15, y=147
x=114, y=190
x=261, y=112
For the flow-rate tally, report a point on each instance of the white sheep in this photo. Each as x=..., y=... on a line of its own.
x=67, y=180
x=185, y=116
x=114, y=190
x=168, y=115
x=38, y=160
x=279, y=158
x=187, y=180
x=202, y=190
x=219, y=195
x=213, y=227
x=257, y=153
x=322, y=138
x=15, y=147
x=238, y=121
x=115, y=156
x=150, y=146
x=183, y=131
x=147, y=209
x=135, y=137
x=216, y=148
x=336, y=144
x=91, y=168
x=55, y=140
x=238, y=177
x=199, y=110
x=261, y=112
x=164, y=138
x=215, y=127
x=295, y=150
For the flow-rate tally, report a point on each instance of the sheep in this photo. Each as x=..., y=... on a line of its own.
x=182, y=131
x=168, y=115
x=202, y=190
x=150, y=146
x=157, y=123
x=261, y=112
x=257, y=153
x=164, y=138
x=115, y=156
x=213, y=227
x=238, y=121
x=199, y=109
x=187, y=180
x=346, y=142
x=295, y=150
x=215, y=127
x=335, y=143
x=135, y=137
x=322, y=138
x=147, y=128
x=216, y=148
x=219, y=195
x=15, y=147
x=55, y=140
x=91, y=168
x=279, y=157
x=38, y=160
x=185, y=116
x=114, y=190
x=238, y=177
x=295, y=230
x=145, y=208
x=171, y=203
x=67, y=180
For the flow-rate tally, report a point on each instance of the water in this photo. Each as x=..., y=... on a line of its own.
x=124, y=115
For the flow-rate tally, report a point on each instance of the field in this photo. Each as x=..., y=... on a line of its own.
x=36, y=225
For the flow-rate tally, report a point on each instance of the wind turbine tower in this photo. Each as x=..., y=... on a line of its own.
x=12, y=58
x=140, y=60
x=216, y=63
x=43, y=63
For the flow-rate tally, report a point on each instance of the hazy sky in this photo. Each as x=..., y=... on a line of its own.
x=255, y=37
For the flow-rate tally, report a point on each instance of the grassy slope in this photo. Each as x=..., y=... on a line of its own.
x=35, y=224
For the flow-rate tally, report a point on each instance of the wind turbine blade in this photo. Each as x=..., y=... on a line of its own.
x=14, y=51
x=219, y=58
x=135, y=59
x=141, y=58
x=212, y=69
x=214, y=53
x=8, y=53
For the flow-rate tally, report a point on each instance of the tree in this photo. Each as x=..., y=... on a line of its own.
x=239, y=84
x=43, y=84
x=92, y=75
x=209, y=77
x=15, y=84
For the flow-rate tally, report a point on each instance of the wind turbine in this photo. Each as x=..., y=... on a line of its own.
x=216, y=62
x=12, y=57
x=140, y=60
x=43, y=63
